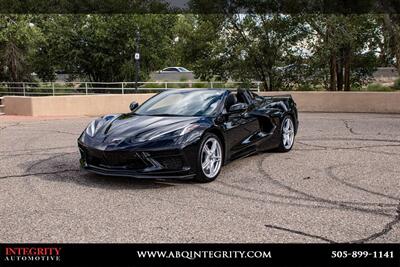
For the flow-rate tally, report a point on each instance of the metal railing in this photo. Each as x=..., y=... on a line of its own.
x=90, y=88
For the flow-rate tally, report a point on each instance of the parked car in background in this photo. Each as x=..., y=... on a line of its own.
x=174, y=69
x=172, y=74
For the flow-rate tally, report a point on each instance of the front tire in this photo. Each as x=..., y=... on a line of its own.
x=287, y=134
x=209, y=159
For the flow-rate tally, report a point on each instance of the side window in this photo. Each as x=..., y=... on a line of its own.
x=170, y=69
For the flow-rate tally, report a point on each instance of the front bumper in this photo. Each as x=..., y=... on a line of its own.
x=139, y=164
x=133, y=174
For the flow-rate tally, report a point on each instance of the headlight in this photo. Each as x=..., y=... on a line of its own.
x=91, y=129
x=95, y=125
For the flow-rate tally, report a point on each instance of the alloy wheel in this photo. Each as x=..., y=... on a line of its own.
x=211, y=157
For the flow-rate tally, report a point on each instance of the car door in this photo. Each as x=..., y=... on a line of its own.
x=240, y=130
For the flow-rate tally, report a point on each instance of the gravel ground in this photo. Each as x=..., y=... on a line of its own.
x=340, y=183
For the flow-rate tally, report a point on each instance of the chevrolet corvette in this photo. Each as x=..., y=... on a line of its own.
x=188, y=134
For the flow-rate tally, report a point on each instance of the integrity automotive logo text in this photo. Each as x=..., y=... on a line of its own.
x=32, y=254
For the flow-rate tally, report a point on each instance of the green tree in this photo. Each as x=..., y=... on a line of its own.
x=263, y=43
x=199, y=45
x=18, y=37
x=240, y=47
x=101, y=47
x=282, y=51
x=391, y=29
x=349, y=44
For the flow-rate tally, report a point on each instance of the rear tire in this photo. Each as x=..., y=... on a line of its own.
x=287, y=134
x=209, y=159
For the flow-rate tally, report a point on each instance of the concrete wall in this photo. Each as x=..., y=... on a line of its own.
x=87, y=105
x=95, y=105
x=365, y=102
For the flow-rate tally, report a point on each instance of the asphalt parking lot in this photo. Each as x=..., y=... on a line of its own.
x=340, y=183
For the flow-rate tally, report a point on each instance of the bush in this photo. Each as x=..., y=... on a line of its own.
x=177, y=85
x=306, y=87
x=396, y=84
x=378, y=87
x=153, y=85
x=200, y=85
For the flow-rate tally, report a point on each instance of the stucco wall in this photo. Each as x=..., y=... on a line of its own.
x=90, y=105
x=366, y=102
x=95, y=105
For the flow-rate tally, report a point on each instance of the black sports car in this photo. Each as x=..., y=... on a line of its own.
x=188, y=134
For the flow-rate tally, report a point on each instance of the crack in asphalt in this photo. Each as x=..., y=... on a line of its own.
x=10, y=125
x=282, y=203
x=359, y=148
x=349, y=139
x=299, y=233
x=329, y=172
x=47, y=159
x=62, y=132
x=381, y=152
x=347, y=125
x=339, y=204
x=386, y=229
x=38, y=173
x=348, y=148
x=261, y=192
x=31, y=186
x=39, y=153
x=54, y=131
x=37, y=149
x=334, y=205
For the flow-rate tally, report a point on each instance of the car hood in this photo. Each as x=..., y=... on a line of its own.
x=136, y=126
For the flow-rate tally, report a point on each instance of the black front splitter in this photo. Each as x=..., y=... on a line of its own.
x=126, y=173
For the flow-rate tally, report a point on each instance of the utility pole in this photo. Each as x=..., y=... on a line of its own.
x=137, y=58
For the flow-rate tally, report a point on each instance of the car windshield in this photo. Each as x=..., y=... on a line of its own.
x=182, y=103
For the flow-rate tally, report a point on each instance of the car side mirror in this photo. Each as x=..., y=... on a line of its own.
x=238, y=108
x=133, y=106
